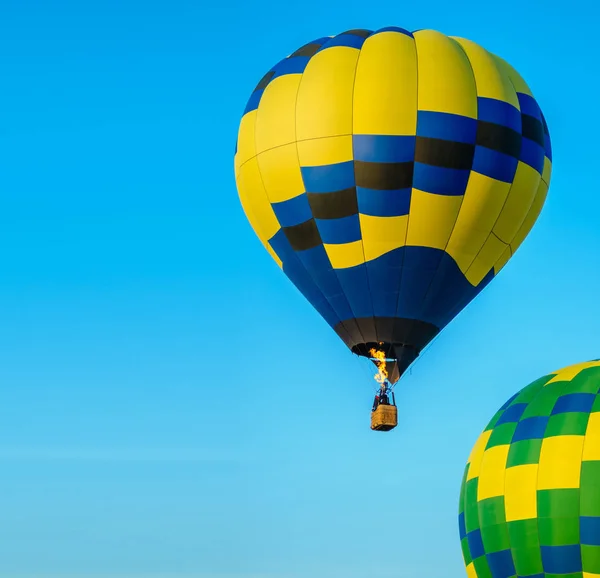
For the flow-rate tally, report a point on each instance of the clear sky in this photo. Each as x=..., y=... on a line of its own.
x=170, y=405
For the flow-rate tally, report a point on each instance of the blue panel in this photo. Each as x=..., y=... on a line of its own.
x=531, y=428
x=292, y=65
x=350, y=40
x=355, y=285
x=293, y=212
x=392, y=203
x=384, y=281
x=561, y=559
x=498, y=112
x=418, y=269
x=383, y=148
x=589, y=530
x=494, y=164
x=475, y=544
x=529, y=106
x=317, y=264
x=574, y=402
x=462, y=529
x=328, y=178
x=336, y=231
x=446, y=126
x=395, y=29
x=509, y=401
x=439, y=180
x=339, y=303
x=501, y=564
x=253, y=101
x=449, y=291
x=547, y=146
x=532, y=154
x=512, y=414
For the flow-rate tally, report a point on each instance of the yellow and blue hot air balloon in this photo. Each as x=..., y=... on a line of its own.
x=391, y=175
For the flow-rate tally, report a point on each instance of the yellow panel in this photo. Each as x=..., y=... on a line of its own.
x=324, y=106
x=531, y=218
x=591, y=446
x=519, y=201
x=385, y=92
x=491, y=476
x=246, y=148
x=471, y=572
x=491, y=251
x=568, y=373
x=345, y=255
x=255, y=203
x=482, y=203
x=281, y=174
x=477, y=454
x=381, y=235
x=560, y=462
x=590, y=575
x=276, y=117
x=504, y=259
x=491, y=81
x=325, y=151
x=520, y=493
x=547, y=172
x=445, y=77
x=516, y=79
x=432, y=218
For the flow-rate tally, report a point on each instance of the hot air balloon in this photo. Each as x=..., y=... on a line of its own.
x=530, y=496
x=391, y=175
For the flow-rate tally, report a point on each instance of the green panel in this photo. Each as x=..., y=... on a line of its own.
x=587, y=381
x=563, y=503
x=528, y=561
x=502, y=435
x=558, y=531
x=482, y=568
x=524, y=452
x=495, y=538
x=590, y=482
x=524, y=534
x=565, y=424
x=590, y=556
x=494, y=420
x=461, y=498
x=471, y=509
x=464, y=544
x=530, y=391
x=543, y=404
x=491, y=511
x=596, y=404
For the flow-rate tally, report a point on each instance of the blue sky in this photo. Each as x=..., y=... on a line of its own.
x=145, y=333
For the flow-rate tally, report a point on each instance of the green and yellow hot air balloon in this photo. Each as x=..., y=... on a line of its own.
x=391, y=175
x=530, y=497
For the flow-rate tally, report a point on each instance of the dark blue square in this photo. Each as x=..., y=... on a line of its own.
x=475, y=544
x=501, y=564
x=574, y=402
x=531, y=428
x=561, y=559
x=512, y=414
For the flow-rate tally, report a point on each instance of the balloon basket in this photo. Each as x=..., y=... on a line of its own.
x=384, y=418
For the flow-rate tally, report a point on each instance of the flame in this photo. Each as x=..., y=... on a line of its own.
x=382, y=372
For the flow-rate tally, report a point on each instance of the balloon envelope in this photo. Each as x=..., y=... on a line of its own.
x=391, y=175
x=530, y=497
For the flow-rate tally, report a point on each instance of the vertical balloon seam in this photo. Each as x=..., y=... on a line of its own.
x=422, y=307
x=512, y=252
x=504, y=72
x=412, y=189
x=298, y=262
x=310, y=273
x=362, y=242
